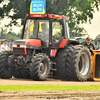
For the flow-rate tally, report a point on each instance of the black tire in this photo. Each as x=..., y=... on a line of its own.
x=74, y=63
x=25, y=73
x=17, y=73
x=40, y=67
x=5, y=70
x=61, y=63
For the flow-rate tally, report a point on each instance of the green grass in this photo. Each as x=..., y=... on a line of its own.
x=46, y=88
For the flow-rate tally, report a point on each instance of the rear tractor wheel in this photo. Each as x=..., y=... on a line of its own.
x=40, y=67
x=74, y=63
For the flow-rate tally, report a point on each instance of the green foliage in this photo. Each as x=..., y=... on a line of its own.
x=78, y=11
x=1, y=10
x=12, y=35
x=78, y=32
x=20, y=8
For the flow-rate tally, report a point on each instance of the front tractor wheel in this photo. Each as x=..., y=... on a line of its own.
x=40, y=67
x=5, y=70
x=17, y=73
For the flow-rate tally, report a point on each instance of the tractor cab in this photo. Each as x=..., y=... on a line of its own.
x=45, y=33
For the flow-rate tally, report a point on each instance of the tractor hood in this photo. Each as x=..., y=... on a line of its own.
x=29, y=42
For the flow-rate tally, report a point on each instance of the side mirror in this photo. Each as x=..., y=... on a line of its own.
x=23, y=22
x=95, y=43
x=61, y=22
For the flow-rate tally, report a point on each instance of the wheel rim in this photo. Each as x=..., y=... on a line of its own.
x=43, y=67
x=83, y=65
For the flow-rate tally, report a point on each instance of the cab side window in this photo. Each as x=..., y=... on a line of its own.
x=57, y=31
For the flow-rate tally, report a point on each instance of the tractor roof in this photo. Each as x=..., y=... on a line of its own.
x=53, y=16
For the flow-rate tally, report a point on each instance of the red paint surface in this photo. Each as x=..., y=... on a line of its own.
x=53, y=53
x=49, y=16
x=66, y=18
x=64, y=41
x=37, y=15
x=53, y=16
x=31, y=42
x=96, y=51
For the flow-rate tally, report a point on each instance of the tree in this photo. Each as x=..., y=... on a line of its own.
x=78, y=31
x=78, y=11
x=1, y=10
x=6, y=35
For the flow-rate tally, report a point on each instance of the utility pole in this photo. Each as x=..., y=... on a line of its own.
x=0, y=30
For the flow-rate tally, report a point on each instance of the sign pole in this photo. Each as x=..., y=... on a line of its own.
x=45, y=6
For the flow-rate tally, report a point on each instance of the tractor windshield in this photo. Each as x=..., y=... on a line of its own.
x=36, y=29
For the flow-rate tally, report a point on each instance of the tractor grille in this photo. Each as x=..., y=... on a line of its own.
x=20, y=42
x=18, y=50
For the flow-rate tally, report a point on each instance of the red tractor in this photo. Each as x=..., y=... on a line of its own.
x=46, y=46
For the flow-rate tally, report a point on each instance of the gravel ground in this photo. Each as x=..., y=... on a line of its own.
x=66, y=95
x=49, y=81
x=57, y=95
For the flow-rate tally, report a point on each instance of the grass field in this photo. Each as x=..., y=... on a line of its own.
x=46, y=88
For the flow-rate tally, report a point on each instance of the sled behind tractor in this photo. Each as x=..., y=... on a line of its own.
x=95, y=71
x=37, y=54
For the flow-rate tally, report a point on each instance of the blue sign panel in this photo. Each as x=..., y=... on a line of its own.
x=37, y=7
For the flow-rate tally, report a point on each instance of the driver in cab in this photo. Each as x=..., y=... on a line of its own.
x=45, y=33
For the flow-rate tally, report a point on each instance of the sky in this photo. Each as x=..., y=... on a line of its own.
x=93, y=29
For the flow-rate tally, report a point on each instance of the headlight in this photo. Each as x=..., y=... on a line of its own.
x=14, y=45
x=23, y=46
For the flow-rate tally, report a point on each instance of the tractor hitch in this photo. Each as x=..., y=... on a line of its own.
x=20, y=60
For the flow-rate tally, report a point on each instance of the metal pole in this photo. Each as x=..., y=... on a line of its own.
x=45, y=6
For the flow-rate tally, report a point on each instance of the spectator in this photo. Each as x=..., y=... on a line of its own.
x=0, y=46
x=4, y=46
x=89, y=45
